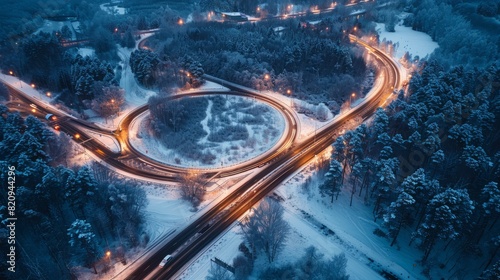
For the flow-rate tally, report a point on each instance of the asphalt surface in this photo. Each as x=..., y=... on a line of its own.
x=132, y=161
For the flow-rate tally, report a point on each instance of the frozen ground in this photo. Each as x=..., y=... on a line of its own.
x=411, y=41
x=265, y=135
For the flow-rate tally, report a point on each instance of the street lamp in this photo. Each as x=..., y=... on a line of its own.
x=33, y=85
x=49, y=94
x=266, y=77
x=77, y=136
x=289, y=92
x=350, y=99
x=11, y=73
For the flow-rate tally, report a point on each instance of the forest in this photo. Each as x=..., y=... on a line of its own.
x=296, y=59
x=68, y=216
x=429, y=166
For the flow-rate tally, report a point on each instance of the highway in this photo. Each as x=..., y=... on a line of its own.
x=132, y=161
x=186, y=244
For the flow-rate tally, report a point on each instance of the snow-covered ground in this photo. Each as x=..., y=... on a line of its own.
x=332, y=228
x=113, y=9
x=86, y=52
x=265, y=135
x=409, y=40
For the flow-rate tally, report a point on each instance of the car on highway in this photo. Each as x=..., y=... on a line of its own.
x=165, y=260
x=50, y=117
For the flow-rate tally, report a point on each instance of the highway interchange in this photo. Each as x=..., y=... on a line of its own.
x=279, y=164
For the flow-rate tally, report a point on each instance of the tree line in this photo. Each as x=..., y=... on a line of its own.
x=429, y=165
x=67, y=216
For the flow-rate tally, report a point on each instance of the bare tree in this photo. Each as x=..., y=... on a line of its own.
x=192, y=187
x=266, y=229
x=217, y=272
x=109, y=102
x=60, y=150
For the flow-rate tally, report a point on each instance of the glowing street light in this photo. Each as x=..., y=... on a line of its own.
x=77, y=136
x=180, y=21
x=11, y=73
x=266, y=77
x=33, y=85
x=48, y=94
x=350, y=99
x=289, y=92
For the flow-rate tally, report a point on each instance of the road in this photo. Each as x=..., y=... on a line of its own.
x=187, y=243
x=132, y=161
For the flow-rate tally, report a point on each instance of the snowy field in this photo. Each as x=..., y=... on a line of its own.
x=411, y=41
x=261, y=136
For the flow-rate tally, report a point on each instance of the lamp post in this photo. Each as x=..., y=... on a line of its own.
x=350, y=99
x=291, y=100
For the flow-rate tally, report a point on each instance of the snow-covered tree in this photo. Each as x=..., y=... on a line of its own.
x=380, y=123
x=82, y=236
x=192, y=187
x=335, y=268
x=217, y=272
x=126, y=204
x=399, y=214
x=80, y=188
x=491, y=198
x=266, y=228
x=447, y=215
x=476, y=158
x=332, y=184
x=492, y=273
x=421, y=189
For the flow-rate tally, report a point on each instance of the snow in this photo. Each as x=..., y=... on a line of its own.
x=211, y=86
x=86, y=52
x=315, y=22
x=351, y=232
x=112, y=9
x=233, y=14
x=409, y=40
x=110, y=142
x=165, y=210
x=224, y=151
x=50, y=26
x=224, y=248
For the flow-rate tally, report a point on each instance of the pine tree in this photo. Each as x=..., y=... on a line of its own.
x=80, y=188
x=491, y=204
x=447, y=216
x=399, y=214
x=421, y=189
x=331, y=186
x=82, y=236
